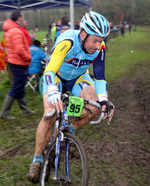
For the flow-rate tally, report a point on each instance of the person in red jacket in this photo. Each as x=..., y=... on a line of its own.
x=19, y=58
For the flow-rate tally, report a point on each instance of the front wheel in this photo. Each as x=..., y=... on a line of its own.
x=72, y=166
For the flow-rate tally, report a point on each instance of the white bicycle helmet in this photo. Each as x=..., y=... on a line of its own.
x=95, y=24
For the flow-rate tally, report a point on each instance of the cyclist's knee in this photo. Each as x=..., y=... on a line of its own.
x=50, y=120
x=49, y=109
x=89, y=93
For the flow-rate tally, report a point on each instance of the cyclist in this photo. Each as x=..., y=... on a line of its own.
x=73, y=52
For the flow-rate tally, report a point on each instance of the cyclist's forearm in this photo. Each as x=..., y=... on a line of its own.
x=49, y=78
x=101, y=89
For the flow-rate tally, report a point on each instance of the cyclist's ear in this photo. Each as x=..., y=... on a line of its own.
x=83, y=35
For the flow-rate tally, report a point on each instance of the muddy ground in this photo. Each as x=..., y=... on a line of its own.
x=122, y=154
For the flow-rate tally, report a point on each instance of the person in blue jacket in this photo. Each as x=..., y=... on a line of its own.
x=38, y=55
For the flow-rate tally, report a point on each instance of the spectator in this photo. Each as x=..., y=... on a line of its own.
x=36, y=29
x=32, y=34
x=122, y=29
x=134, y=27
x=77, y=25
x=3, y=55
x=19, y=58
x=38, y=55
x=111, y=25
x=64, y=24
x=27, y=35
x=49, y=29
x=130, y=27
x=55, y=30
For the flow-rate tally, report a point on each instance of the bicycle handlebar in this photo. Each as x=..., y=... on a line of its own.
x=99, y=119
x=96, y=104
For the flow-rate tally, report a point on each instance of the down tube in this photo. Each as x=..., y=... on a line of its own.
x=57, y=154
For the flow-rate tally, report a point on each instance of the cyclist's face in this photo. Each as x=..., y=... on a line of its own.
x=93, y=43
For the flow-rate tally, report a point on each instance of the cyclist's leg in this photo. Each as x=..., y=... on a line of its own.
x=45, y=126
x=84, y=87
x=42, y=138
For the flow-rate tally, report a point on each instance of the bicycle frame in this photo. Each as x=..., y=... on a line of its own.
x=60, y=138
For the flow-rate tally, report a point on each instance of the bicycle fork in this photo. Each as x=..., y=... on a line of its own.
x=67, y=159
x=57, y=158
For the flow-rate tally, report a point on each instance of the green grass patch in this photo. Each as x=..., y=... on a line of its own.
x=124, y=52
x=40, y=35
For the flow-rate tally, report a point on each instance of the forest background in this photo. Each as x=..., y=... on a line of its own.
x=135, y=11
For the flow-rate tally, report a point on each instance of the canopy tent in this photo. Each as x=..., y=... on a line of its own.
x=8, y=5
x=39, y=4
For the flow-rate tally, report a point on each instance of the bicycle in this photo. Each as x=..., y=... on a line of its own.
x=65, y=161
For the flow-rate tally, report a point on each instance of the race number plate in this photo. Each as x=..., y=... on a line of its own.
x=75, y=106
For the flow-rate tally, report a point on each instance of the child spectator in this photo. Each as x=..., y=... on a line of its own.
x=37, y=56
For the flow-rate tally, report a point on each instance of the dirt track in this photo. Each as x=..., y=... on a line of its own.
x=122, y=155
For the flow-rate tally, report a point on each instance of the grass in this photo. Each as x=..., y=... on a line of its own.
x=17, y=137
x=40, y=35
x=123, y=53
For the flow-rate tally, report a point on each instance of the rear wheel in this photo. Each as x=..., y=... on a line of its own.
x=77, y=161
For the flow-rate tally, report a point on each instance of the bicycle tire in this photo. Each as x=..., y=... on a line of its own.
x=78, y=164
x=41, y=85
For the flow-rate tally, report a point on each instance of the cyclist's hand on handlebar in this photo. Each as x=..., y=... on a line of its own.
x=103, y=105
x=54, y=97
x=111, y=114
x=109, y=110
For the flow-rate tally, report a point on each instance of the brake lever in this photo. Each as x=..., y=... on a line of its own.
x=108, y=118
x=109, y=107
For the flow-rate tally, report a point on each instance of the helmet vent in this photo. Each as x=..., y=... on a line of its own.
x=90, y=28
x=100, y=26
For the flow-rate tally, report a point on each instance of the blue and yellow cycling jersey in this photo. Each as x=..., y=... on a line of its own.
x=69, y=61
